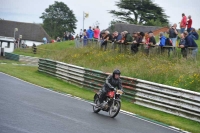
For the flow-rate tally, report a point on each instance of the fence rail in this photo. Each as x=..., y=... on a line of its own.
x=152, y=95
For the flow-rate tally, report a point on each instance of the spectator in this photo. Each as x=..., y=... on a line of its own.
x=118, y=36
x=96, y=33
x=194, y=34
x=44, y=40
x=189, y=42
x=16, y=43
x=90, y=33
x=152, y=40
x=123, y=37
x=70, y=36
x=162, y=39
x=64, y=34
x=58, y=39
x=106, y=36
x=77, y=37
x=128, y=37
x=173, y=34
x=183, y=23
x=146, y=44
x=137, y=42
x=183, y=46
x=81, y=33
x=85, y=38
x=189, y=24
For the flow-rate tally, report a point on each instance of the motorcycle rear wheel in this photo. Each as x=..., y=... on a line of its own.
x=95, y=109
x=114, y=110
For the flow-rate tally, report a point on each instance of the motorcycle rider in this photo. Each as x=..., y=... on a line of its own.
x=112, y=81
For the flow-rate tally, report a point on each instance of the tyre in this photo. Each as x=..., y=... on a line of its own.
x=95, y=109
x=114, y=109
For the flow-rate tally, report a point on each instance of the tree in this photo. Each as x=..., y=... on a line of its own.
x=58, y=18
x=139, y=12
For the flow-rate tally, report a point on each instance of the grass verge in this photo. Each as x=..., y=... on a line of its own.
x=174, y=71
x=32, y=75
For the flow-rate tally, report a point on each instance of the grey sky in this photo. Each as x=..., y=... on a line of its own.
x=31, y=10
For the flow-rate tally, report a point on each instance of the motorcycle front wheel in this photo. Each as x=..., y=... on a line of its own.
x=96, y=109
x=114, y=109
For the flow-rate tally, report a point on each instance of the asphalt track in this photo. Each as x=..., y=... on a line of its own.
x=26, y=108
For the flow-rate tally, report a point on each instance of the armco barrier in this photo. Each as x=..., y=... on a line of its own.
x=22, y=58
x=156, y=96
x=11, y=56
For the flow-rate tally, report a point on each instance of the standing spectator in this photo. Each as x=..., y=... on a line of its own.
x=81, y=33
x=16, y=43
x=44, y=40
x=189, y=24
x=70, y=36
x=96, y=33
x=85, y=38
x=162, y=39
x=128, y=37
x=194, y=34
x=90, y=33
x=183, y=23
x=152, y=40
x=118, y=36
x=137, y=42
x=173, y=34
x=58, y=39
x=106, y=36
x=64, y=34
x=189, y=42
x=183, y=46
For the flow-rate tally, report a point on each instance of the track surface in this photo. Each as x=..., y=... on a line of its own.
x=26, y=108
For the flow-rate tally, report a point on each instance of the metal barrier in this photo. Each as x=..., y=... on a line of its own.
x=152, y=95
x=22, y=58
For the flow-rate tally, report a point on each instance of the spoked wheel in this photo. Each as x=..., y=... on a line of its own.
x=114, y=109
x=96, y=109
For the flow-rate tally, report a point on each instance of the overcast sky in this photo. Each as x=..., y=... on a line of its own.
x=31, y=10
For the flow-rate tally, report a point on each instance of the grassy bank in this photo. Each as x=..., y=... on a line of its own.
x=174, y=71
x=32, y=75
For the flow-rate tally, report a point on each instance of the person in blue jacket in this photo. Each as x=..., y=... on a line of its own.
x=90, y=33
x=194, y=34
x=189, y=42
x=162, y=39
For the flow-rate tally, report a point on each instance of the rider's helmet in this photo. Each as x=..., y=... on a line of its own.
x=116, y=71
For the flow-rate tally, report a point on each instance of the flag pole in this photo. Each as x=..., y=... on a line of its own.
x=83, y=20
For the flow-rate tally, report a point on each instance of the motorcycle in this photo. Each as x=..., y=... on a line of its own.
x=112, y=103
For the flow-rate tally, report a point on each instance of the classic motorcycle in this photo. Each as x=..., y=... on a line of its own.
x=112, y=103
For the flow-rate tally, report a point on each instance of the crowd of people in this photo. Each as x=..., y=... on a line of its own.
x=148, y=40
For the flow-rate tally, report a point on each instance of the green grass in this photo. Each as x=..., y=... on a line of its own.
x=32, y=75
x=45, y=49
x=174, y=71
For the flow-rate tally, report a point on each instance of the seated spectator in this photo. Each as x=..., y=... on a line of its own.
x=189, y=42
x=194, y=34
x=106, y=37
x=183, y=46
x=152, y=40
x=162, y=39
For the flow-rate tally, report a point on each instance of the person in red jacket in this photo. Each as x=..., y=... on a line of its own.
x=189, y=24
x=183, y=23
